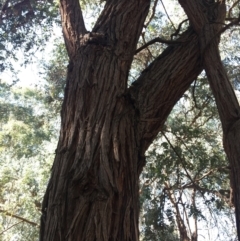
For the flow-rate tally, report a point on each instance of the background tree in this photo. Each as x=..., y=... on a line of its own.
x=185, y=183
x=25, y=26
x=27, y=140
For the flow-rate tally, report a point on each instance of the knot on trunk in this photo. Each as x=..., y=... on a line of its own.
x=93, y=38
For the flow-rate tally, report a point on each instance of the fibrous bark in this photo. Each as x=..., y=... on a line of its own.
x=106, y=126
x=207, y=19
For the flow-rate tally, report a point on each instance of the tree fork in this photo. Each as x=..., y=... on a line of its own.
x=106, y=127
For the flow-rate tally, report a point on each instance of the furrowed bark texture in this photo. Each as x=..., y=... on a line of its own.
x=106, y=127
x=208, y=26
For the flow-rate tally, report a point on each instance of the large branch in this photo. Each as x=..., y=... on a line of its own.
x=207, y=26
x=72, y=23
x=229, y=112
x=163, y=83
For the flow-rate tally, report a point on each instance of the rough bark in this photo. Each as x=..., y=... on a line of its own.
x=207, y=25
x=107, y=127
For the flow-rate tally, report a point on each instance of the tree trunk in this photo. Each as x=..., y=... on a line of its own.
x=106, y=127
x=182, y=229
x=208, y=27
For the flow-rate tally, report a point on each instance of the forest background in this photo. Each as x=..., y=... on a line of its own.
x=185, y=185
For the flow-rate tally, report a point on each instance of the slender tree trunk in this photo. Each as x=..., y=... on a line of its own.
x=107, y=127
x=194, y=236
x=180, y=221
x=208, y=27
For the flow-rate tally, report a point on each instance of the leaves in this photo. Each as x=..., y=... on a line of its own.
x=185, y=168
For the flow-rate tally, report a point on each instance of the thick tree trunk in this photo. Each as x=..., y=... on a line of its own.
x=106, y=127
x=93, y=190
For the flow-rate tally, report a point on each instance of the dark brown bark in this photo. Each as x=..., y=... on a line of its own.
x=208, y=25
x=93, y=190
x=106, y=127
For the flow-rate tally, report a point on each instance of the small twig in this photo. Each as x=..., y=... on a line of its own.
x=168, y=15
x=153, y=13
x=143, y=37
x=157, y=40
x=10, y=227
x=230, y=19
x=205, y=104
x=178, y=29
x=18, y=217
x=179, y=156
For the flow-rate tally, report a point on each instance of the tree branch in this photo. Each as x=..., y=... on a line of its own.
x=153, y=13
x=15, y=224
x=15, y=9
x=231, y=8
x=5, y=5
x=157, y=40
x=168, y=15
x=180, y=221
x=178, y=29
x=18, y=217
x=72, y=23
x=163, y=83
x=179, y=157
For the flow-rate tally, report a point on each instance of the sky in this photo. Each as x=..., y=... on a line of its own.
x=29, y=75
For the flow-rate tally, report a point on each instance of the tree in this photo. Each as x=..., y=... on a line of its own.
x=30, y=116
x=27, y=134
x=107, y=126
x=25, y=25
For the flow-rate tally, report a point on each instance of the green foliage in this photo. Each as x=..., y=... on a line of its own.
x=23, y=125
x=24, y=27
x=55, y=75
x=187, y=170
x=27, y=140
